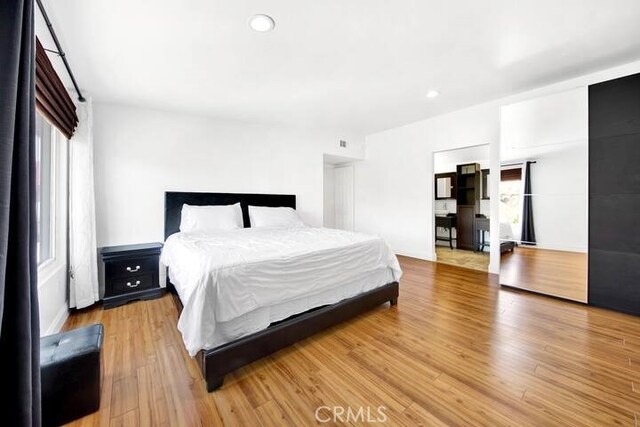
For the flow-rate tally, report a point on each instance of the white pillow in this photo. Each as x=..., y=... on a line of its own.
x=264, y=217
x=211, y=218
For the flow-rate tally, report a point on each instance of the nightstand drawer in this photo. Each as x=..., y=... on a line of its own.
x=130, y=272
x=131, y=267
x=132, y=284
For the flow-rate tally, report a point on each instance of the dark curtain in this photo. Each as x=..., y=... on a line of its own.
x=528, y=230
x=19, y=327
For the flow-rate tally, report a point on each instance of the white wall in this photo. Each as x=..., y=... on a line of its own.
x=394, y=185
x=447, y=161
x=141, y=153
x=445, y=206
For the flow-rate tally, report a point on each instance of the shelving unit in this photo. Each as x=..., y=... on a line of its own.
x=469, y=192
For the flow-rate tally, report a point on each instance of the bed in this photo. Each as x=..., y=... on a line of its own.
x=246, y=293
x=507, y=240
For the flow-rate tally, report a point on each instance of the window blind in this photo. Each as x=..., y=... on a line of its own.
x=514, y=174
x=52, y=98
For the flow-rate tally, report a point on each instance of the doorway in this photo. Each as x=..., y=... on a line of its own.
x=338, y=194
x=461, y=207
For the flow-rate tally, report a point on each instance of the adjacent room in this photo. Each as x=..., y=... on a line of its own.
x=461, y=207
x=296, y=213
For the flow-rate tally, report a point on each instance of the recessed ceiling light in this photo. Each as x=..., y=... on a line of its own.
x=433, y=94
x=262, y=23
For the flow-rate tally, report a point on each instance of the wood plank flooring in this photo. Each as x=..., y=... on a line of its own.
x=558, y=273
x=456, y=350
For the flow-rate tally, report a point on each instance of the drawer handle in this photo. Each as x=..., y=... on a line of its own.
x=133, y=270
x=133, y=286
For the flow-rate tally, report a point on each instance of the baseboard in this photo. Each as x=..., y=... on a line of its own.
x=419, y=255
x=494, y=270
x=557, y=248
x=58, y=321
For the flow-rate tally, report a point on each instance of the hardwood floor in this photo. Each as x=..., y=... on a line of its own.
x=558, y=273
x=463, y=258
x=456, y=350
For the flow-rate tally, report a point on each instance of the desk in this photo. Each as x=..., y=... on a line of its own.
x=482, y=225
x=449, y=223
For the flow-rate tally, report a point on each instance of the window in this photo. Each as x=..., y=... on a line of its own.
x=45, y=149
x=511, y=188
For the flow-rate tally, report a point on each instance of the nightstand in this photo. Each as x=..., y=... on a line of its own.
x=130, y=272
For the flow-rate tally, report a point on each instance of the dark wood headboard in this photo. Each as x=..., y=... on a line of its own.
x=173, y=201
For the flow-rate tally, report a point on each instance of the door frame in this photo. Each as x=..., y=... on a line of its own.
x=431, y=184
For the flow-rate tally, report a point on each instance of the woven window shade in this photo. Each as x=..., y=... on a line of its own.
x=514, y=174
x=52, y=98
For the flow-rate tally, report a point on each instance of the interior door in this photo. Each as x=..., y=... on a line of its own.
x=343, y=191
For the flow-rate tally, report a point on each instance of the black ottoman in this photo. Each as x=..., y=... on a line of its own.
x=70, y=371
x=507, y=246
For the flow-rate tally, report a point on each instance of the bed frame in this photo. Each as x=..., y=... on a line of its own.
x=217, y=362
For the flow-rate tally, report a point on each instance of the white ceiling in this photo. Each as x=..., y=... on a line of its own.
x=354, y=65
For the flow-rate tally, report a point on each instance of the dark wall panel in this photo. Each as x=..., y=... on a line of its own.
x=614, y=107
x=616, y=153
x=614, y=194
x=617, y=275
x=615, y=220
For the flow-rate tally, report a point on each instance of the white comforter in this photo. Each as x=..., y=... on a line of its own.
x=222, y=276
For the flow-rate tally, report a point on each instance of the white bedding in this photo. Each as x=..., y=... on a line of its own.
x=232, y=283
x=506, y=232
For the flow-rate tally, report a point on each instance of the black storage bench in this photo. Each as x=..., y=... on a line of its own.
x=70, y=368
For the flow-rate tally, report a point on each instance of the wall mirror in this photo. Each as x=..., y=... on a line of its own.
x=445, y=186
x=543, y=195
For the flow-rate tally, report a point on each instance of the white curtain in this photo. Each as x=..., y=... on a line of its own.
x=83, y=265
